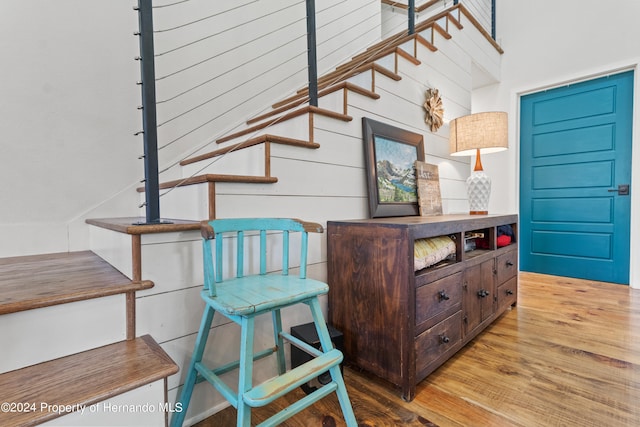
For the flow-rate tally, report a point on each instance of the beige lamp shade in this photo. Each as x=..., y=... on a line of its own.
x=476, y=134
x=486, y=132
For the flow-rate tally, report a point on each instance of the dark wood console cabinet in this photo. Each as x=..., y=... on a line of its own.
x=402, y=324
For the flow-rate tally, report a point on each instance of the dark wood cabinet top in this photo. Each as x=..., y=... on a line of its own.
x=429, y=226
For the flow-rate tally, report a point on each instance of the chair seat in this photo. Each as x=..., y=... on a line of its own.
x=255, y=294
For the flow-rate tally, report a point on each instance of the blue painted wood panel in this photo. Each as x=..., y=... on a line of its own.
x=575, y=146
x=586, y=210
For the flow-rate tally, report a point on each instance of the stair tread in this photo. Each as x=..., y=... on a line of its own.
x=83, y=379
x=212, y=177
x=136, y=225
x=261, y=139
x=30, y=282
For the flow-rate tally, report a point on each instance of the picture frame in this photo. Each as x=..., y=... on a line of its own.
x=428, y=182
x=390, y=156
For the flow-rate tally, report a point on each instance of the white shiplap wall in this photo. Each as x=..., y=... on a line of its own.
x=228, y=61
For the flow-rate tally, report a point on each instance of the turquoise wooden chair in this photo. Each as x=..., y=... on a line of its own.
x=244, y=297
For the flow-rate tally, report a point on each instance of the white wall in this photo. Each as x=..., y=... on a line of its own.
x=67, y=116
x=247, y=57
x=549, y=43
x=68, y=100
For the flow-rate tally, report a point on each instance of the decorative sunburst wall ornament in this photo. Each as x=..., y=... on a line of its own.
x=435, y=112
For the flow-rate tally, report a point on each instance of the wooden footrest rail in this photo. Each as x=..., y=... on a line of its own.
x=78, y=381
x=276, y=387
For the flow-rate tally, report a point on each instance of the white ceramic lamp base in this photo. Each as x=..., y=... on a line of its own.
x=478, y=191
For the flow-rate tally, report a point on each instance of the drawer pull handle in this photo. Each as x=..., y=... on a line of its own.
x=482, y=293
x=509, y=264
x=444, y=339
x=509, y=292
x=443, y=295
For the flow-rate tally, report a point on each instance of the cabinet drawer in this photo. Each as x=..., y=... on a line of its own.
x=436, y=300
x=507, y=266
x=507, y=294
x=436, y=341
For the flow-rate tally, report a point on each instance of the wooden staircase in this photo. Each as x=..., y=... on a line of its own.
x=381, y=60
x=34, y=394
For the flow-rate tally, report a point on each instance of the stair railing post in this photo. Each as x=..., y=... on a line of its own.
x=149, y=121
x=311, y=53
x=493, y=19
x=412, y=16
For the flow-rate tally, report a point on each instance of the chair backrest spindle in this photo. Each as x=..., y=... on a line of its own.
x=215, y=229
x=218, y=258
x=207, y=262
x=303, y=256
x=239, y=254
x=263, y=251
x=285, y=252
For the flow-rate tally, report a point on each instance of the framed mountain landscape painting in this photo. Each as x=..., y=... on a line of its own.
x=390, y=156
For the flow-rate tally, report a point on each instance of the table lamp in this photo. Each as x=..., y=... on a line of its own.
x=475, y=134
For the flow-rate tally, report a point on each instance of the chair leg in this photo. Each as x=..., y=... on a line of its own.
x=246, y=370
x=279, y=342
x=336, y=375
x=187, y=389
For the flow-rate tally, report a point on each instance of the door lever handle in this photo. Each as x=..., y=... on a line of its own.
x=622, y=190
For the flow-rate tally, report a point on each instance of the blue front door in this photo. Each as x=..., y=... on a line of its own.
x=575, y=161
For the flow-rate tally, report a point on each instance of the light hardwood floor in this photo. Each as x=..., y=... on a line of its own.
x=567, y=355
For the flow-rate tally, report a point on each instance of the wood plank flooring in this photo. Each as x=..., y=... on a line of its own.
x=567, y=355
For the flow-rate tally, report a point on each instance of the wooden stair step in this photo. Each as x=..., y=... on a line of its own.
x=31, y=282
x=83, y=379
x=308, y=109
x=137, y=225
x=296, y=100
x=371, y=55
x=267, y=138
x=343, y=74
x=210, y=177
